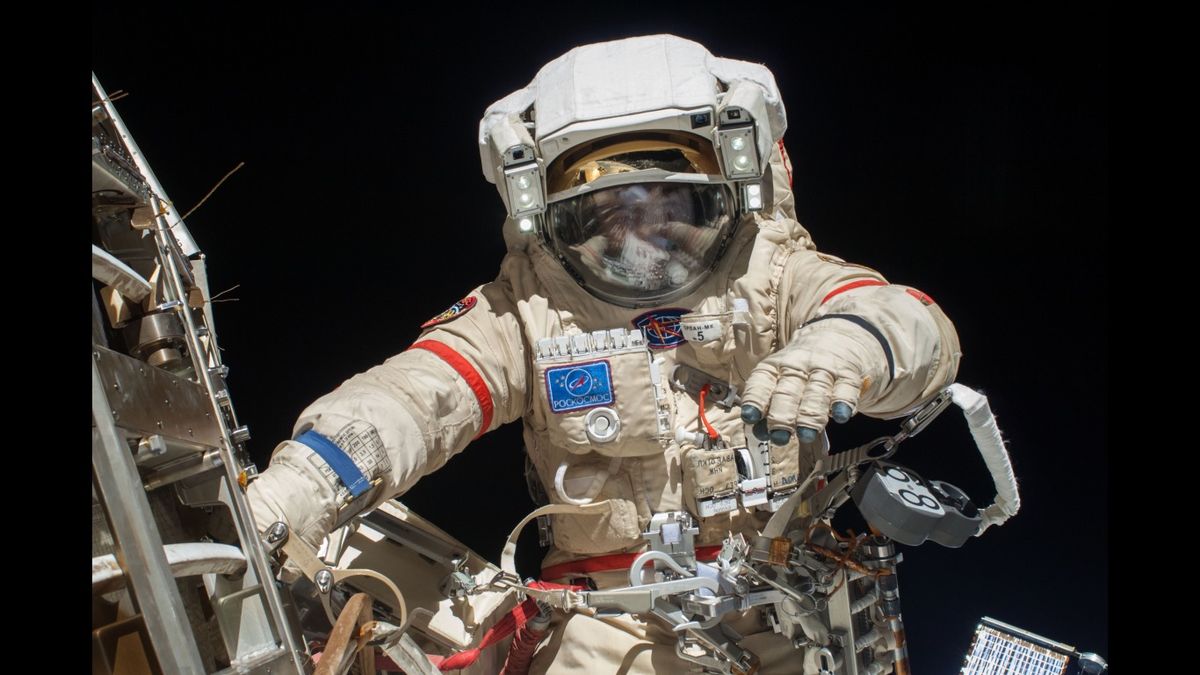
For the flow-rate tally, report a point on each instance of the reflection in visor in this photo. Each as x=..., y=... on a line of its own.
x=641, y=241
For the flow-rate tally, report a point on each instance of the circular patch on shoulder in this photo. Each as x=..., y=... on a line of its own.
x=456, y=310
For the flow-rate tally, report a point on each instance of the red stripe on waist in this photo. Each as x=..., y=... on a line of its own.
x=614, y=562
x=464, y=368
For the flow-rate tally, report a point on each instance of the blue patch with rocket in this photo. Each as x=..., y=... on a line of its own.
x=579, y=385
x=661, y=327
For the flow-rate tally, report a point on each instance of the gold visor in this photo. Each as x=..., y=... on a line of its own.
x=672, y=150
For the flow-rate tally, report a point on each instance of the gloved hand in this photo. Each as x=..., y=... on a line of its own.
x=293, y=490
x=828, y=369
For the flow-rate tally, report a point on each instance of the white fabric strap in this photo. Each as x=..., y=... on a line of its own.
x=508, y=556
x=991, y=446
x=594, y=485
x=561, y=599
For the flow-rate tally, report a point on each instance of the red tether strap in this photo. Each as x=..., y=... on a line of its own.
x=616, y=561
x=851, y=286
x=464, y=368
x=503, y=628
x=712, y=433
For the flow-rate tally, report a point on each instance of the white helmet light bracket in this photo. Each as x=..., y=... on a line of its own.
x=742, y=119
x=523, y=189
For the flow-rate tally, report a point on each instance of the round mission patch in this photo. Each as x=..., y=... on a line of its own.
x=661, y=327
x=456, y=310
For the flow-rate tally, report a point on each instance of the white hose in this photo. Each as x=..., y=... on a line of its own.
x=109, y=270
x=991, y=446
x=597, y=483
x=635, y=570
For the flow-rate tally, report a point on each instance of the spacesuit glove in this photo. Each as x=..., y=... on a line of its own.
x=292, y=490
x=828, y=369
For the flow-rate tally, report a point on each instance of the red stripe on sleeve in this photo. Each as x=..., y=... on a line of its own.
x=464, y=368
x=851, y=286
x=787, y=163
x=920, y=295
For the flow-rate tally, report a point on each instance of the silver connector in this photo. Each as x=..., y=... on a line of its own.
x=275, y=536
x=240, y=434
x=324, y=580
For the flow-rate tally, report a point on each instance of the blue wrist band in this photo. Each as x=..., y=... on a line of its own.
x=338, y=460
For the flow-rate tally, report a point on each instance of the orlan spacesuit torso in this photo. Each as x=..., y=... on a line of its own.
x=606, y=415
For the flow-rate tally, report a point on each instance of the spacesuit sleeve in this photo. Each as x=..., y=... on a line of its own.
x=915, y=338
x=465, y=375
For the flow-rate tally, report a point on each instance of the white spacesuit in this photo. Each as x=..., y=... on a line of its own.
x=659, y=308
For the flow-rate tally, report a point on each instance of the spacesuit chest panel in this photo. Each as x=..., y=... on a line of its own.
x=738, y=468
x=603, y=392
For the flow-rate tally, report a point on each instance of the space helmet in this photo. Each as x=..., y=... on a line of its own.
x=634, y=161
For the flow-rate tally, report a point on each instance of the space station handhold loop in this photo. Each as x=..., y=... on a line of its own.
x=306, y=559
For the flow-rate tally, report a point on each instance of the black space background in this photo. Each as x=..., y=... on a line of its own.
x=962, y=151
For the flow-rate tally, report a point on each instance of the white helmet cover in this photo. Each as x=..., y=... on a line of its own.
x=606, y=89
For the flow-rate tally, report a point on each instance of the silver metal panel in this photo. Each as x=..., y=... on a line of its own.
x=200, y=491
x=110, y=171
x=138, y=392
x=272, y=662
x=411, y=537
x=139, y=542
x=842, y=620
x=246, y=617
x=98, y=321
x=236, y=498
x=184, y=467
x=241, y=614
x=258, y=616
x=199, y=268
x=410, y=657
x=179, y=231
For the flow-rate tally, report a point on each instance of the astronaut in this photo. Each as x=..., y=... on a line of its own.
x=659, y=308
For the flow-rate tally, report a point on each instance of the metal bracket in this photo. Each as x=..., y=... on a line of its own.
x=691, y=380
x=641, y=599
x=545, y=531
x=674, y=533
